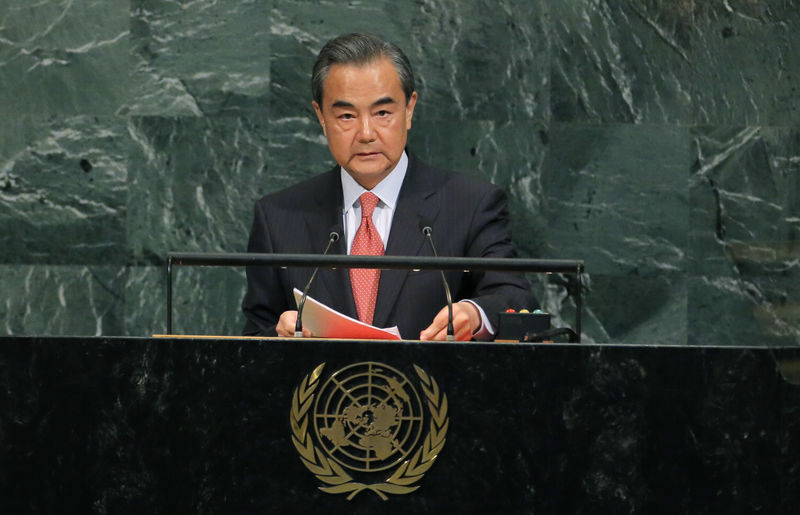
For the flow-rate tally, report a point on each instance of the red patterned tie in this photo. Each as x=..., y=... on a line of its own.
x=367, y=242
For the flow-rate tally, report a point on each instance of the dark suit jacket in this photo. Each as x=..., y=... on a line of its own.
x=469, y=217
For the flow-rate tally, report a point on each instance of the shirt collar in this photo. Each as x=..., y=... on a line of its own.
x=387, y=190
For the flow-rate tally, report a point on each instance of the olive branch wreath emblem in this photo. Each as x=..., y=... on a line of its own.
x=327, y=470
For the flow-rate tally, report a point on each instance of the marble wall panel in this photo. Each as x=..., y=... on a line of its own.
x=299, y=29
x=617, y=196
x=635, y=309
x=145, y=310
x=205, y=301
x=511, y=155
x=745, y=198
x=481, y=59
x=446, y=43
x=657, y=140
x=297, y=150
x=193, y=182
x=61, y=300
x=618, y=308
x=63, y=57
x=199, y=58
x=747, y=68
x=738, y=310
x=744, y=226
x=624, y=61
x=63, y=190
x=556, y=296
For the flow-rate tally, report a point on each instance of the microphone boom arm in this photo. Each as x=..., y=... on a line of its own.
x=450, y=330
x=298, y=325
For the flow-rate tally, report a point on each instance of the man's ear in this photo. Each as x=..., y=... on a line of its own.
x=412, y=102
x=320, y=118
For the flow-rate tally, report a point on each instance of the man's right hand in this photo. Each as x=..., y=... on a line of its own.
x=286, y=324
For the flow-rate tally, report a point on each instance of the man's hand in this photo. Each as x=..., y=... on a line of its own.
x=287, y=322
x=466, y=320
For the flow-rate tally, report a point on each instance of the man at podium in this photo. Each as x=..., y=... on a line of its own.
x=378, y=200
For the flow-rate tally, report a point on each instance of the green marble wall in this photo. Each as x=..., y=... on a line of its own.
x=658, y=140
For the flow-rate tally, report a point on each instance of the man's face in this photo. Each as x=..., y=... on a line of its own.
x=365, y=117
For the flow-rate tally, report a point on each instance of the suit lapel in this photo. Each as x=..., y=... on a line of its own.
x=418, y=200
x=326, y=216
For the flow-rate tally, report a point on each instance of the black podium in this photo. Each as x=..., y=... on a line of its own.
x=129, y=425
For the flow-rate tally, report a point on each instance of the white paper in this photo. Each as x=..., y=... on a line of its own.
x=324, y=322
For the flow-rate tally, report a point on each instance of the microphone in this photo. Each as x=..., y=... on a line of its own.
x=298, y=327
x=425, y=227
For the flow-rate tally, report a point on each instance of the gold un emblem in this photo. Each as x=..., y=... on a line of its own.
x=364, y=428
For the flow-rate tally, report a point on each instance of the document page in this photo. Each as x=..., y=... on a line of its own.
x=324, y=322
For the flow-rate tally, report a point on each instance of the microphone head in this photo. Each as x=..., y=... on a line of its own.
x=335, y=232
x=425, y=226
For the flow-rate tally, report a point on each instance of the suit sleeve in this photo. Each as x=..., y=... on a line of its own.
x=264, y=301
x=490, y=236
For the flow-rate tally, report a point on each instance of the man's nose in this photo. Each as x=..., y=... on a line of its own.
x=365, y=130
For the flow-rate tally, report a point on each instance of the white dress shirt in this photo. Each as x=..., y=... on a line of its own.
x=387, y=191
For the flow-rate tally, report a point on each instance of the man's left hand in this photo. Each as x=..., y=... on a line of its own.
x=466, y=320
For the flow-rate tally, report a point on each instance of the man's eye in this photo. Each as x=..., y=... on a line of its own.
x=383, y=113
x=346, y=116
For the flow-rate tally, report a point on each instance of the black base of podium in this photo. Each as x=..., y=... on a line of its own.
x=120, y=425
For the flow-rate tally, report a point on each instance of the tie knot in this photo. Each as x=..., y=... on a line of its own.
x=368, y=202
